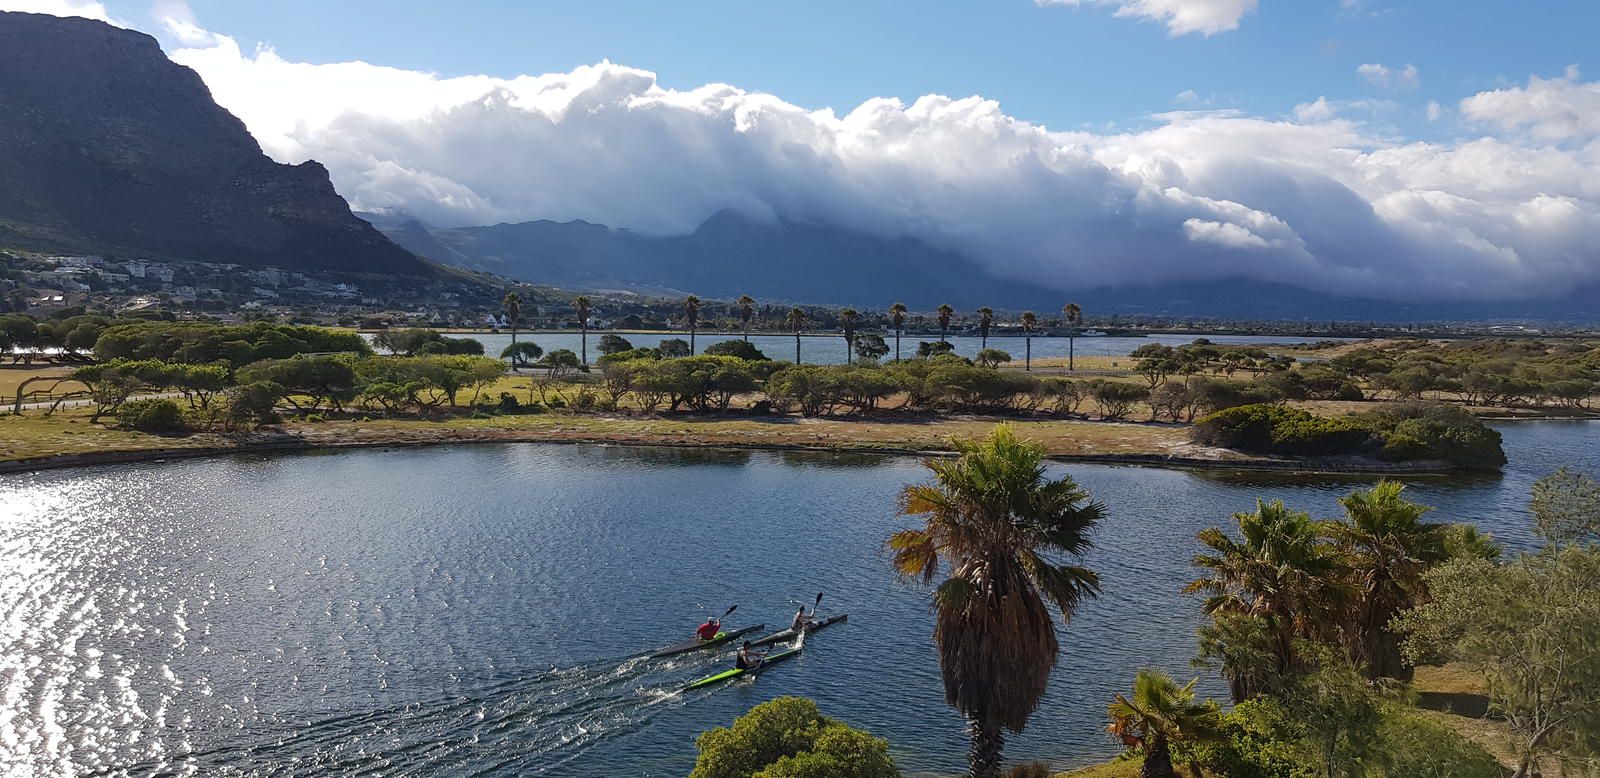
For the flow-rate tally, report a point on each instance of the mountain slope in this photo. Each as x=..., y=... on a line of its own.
x=107, y=146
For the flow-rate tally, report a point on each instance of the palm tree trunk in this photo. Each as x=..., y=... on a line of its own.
x=797, y=347
x=1027, y=359
x=1070, y=354
x=983, y=753
x=1157, y=760
x=897, y=344
x=583, y=327
x=747, y=330
x=691, y=340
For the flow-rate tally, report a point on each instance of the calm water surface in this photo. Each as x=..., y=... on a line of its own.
x=830, y=349
x=483, y=609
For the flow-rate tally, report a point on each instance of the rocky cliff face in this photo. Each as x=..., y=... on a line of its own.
x=108, y=146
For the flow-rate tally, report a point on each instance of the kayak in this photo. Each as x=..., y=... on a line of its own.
x=728, y=675
x=696, y=644
x=789, y=634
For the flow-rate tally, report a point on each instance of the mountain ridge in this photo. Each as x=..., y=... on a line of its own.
x=107, y=146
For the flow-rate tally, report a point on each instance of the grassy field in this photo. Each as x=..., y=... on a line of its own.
x=12, y=377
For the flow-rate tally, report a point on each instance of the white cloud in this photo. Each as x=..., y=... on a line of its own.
x=1435, y=111
x=1207, y=17
x=1384, y=77
x=1554, y=109
x=89, y=9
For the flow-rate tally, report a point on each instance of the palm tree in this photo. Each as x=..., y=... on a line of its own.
x=1073, y=314
x=797, y=322
x=1279, y=577
x=747, y=308
x=897, y=314
x=945, y=311
x=1388, y=547
x=985, y=320
x=1007, y=536
x=512, y=303
x=1160, y=715
x=581, y=302
x=847, y=318
x=691, y=314
x=1030, y=322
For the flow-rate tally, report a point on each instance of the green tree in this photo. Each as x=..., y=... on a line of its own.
x=870, y=347
x=797, y=322
x=1008, y=536
x=1072, y=314
x=991, y=357
x=691, y=315
x=985, y=321
x=1387, y=548
x=674, y=348
x=1162, y=715
x=1566, y=507
x=847, y=320
x=1529, y=628
x=897, y=317
x=1030, y=322
x=522, y=353
x=252, y=405
x=945, y=312
x=583, y=306
x=614, y=344
x=561, y=362
x=789, y=738
x=747, y=309
x=1336, y=712
x=736, y=348
x=1277, y=584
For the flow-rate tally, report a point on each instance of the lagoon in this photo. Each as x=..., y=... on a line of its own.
x=483, y=609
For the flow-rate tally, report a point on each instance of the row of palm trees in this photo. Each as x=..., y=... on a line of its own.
x=1071, y=313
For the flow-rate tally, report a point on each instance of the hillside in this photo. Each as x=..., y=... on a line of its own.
x=107, y=146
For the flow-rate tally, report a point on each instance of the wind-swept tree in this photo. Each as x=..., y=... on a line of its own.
x=1388, y=548
x=945, y=312
x=897, y=315
x=1162, y=714
x=797, y=322
x=747, y=309
x=1030, y=322
x=581, y=302
x=1008, y=537
x=985, y=321
x=512, y=303
x=847, y=320
x=691, y=314
x=1072, y=314
x=1277, y=584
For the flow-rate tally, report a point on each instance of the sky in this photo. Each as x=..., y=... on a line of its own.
x=1414, y=150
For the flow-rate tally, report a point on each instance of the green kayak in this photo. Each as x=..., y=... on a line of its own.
x=728, y=675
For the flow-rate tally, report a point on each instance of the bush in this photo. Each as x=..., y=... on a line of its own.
x=736, y=348
x=789, y=738
x=1255, y=742
x=1274, y=429
x=159, y=416
x=253, y=404
x=1411, y=745
x=1436, y=431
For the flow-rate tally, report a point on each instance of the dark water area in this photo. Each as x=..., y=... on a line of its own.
x=830, y=349
x=484, y=610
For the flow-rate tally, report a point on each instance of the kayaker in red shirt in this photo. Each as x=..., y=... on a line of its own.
x=709, y=630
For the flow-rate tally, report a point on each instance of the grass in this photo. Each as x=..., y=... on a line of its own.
x=69, y=432
x=1117, y=768
x=12, y=377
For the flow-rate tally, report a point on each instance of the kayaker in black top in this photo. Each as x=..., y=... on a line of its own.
x=747, y=659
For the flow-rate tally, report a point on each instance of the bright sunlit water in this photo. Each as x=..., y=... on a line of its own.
x=482, y=610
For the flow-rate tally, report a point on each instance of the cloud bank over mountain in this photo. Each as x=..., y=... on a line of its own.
x=1317, y=199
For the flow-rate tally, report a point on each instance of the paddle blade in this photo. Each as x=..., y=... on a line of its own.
x=819, y=600
x=730, y=610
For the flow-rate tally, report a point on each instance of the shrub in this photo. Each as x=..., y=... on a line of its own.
x=1444, y=431
x=789, y=738
x=508, y=403
x=159, y=416
x=253, y=404
x=1254, y=741
x=736, y=348
x=1411, y=745
x=1116, y=399
x=1274, y=429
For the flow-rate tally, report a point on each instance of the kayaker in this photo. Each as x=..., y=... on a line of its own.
x=709, y=630
x=747, y=659
x=801, y=620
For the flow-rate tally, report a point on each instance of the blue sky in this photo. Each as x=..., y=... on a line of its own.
x=1062, y=66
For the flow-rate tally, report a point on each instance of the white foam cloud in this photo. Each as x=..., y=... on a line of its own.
x=89, y=9
x=1553, y=109
x=1182, y=17
x=1385, y=77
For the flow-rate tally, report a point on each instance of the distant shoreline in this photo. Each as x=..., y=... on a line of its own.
x=299, y=442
